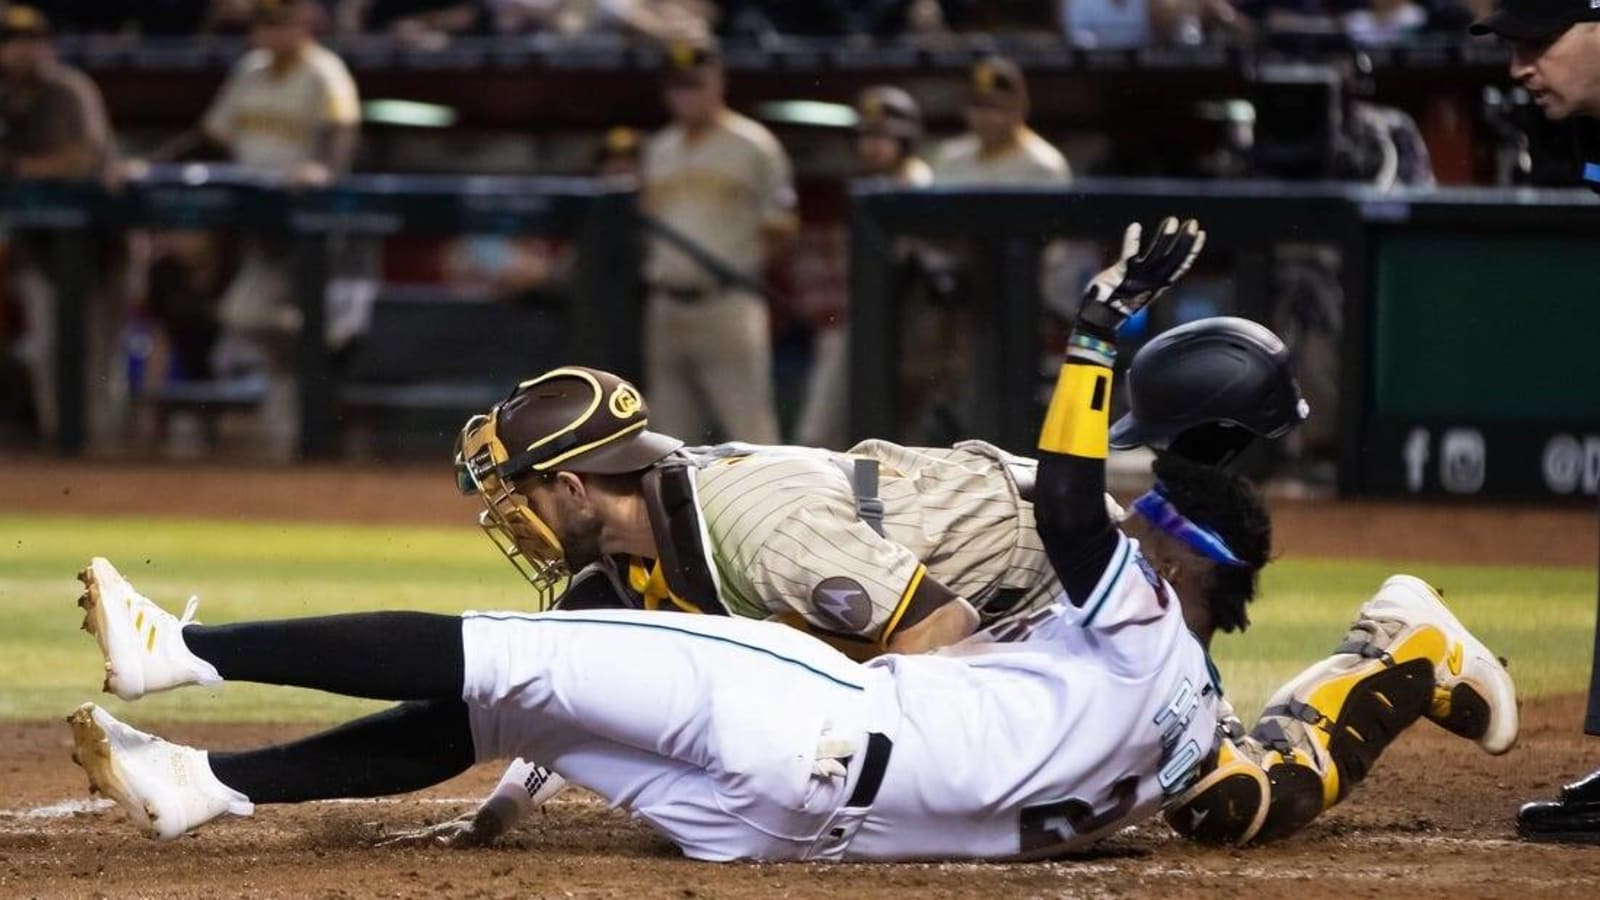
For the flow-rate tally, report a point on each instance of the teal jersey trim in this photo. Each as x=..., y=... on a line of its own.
x=1113, y=575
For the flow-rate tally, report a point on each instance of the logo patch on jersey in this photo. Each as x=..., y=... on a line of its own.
x=842, y=604
x=1151, y=575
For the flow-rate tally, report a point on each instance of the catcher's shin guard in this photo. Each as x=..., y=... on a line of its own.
x=1473, y=696
x=1322, y=732
x=1229, y=804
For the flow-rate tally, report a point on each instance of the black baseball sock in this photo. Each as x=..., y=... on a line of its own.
x=407, y=748
x=382, y=655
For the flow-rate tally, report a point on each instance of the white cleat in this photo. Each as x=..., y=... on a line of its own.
x=166, y=789
x=1474, y=695
x=142, y=644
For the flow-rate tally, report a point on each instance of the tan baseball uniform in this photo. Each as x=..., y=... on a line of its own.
x=707, y=345
x=788, y=538
x=271, y=121
x=1030, y=160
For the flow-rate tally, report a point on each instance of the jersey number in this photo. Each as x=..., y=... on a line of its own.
x=1052, y=824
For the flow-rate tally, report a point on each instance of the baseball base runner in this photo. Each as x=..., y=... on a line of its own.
x=1033, y=737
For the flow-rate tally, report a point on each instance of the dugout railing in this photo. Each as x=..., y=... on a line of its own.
x=601, y=327
x=1508, y=268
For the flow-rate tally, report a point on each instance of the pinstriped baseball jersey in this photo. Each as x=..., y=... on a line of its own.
x=787, y=536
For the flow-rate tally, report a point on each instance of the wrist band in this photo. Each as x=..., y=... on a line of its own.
x=1078, y=421
x=1091, y=349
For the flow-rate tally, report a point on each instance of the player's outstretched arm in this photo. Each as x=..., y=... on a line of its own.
x=1070, y=508
x=524, y=787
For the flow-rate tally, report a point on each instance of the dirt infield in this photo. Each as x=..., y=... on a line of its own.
x=1434, y=817
x=426, y=495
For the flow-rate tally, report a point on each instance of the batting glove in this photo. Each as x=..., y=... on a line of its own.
x=1138, y=278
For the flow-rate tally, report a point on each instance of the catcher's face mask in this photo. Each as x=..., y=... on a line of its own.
x=514, y=526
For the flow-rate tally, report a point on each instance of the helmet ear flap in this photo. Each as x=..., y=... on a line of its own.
x=1211, y=444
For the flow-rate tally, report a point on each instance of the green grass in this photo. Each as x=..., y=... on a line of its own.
x=240, y=571
x=1540, y=619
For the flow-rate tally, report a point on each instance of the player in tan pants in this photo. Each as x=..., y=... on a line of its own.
x=721, y=181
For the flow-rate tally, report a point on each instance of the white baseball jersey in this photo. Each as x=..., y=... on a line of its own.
x=730, y=736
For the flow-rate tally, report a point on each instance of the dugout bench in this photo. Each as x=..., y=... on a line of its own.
x=600, y=327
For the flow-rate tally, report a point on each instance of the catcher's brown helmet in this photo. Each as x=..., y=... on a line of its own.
x=570, y=419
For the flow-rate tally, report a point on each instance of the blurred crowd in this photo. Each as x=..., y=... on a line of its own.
x=717, y=194
x=1087, y=22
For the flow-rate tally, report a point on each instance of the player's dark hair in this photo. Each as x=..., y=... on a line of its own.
x=1227, y=504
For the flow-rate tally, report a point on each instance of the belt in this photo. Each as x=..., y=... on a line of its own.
x=683, y=294
x=873, y=764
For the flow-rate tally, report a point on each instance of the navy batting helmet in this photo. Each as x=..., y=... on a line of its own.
x=1204, y=389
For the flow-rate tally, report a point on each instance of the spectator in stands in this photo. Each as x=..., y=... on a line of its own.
x=720, y=188
x=888, y=127
x=418, y=23
x=288, y=110
x=1000, y=147
x=55, y=126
